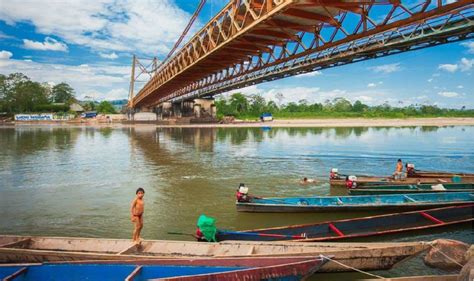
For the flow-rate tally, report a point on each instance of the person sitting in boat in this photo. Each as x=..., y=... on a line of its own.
x=351, y=182
x=398, y=174
x=199, y=236
x=410, y=168
x=242, y=193
x=333, y=175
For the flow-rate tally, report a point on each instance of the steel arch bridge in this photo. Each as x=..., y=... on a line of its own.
x=255, y=41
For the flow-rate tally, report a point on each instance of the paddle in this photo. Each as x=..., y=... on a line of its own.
x=181, y=233
x=263, y=234
x=248, y=233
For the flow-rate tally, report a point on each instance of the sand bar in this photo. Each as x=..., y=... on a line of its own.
x=337, y=122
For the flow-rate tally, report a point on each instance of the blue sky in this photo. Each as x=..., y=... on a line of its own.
x=89, y=45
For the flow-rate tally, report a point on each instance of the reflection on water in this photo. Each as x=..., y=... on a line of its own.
x=80, y=181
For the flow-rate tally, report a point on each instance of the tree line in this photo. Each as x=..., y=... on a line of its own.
x=19, y=94
x=247, y=107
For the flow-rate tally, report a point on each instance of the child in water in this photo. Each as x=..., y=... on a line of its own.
x=137, y=209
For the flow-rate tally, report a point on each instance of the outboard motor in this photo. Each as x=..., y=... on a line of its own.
x=410, y=169
x=351, y=182
x=242, y=193
x=333, y=175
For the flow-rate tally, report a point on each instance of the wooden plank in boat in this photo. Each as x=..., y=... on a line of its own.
x=134, y=273
x=17, y=244
x=19, y=272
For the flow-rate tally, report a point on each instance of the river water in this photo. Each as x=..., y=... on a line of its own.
x=79, y=181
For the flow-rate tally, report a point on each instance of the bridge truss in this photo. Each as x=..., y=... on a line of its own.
x=254, y=41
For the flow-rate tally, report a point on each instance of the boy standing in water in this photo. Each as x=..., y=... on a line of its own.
x=137, y=209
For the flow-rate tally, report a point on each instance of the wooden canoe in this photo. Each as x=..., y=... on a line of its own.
x=419, y=278
x=435, y=174
x=364, y=180
x=358, y=227
x=365, y=256
x=355, y=203
x=413, y=188
x=177, y=269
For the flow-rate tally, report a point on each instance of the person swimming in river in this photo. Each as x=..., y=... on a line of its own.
x=136, y=212
x=305, y=180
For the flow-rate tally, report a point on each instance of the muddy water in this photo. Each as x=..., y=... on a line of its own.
x=80, y=181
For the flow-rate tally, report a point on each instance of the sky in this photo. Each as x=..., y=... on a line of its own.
x=89, y=44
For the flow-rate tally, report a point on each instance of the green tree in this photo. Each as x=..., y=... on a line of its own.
x=359, y=106
x=106, y=107
x=342, y=105
x=3, y=80
x=89, y=106
x=63, y=93
x=20, y=94
x=239, y=103
x=258, y=104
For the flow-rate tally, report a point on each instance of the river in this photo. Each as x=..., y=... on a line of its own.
x=79, y=181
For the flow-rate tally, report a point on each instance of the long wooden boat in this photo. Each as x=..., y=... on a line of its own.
x=177, y=269
x=412, y=188
x=365, y=256
x=355, y=203
x=358, y=227
x=452, y=277
x=381, y=180
x=436, y=174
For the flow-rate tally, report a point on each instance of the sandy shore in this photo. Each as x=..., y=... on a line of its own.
x=346, y=122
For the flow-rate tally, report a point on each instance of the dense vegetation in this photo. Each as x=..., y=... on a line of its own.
x=251, y=107
x=19, y=94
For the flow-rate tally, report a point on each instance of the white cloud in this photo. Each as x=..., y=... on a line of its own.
x=386, y=68
x=469, y=46
x=448, y=67
x=49, y=44
x=315, y=94
x=114, y=94
x=110, y=56
x=309, y=74
x=371, y=85
x=430, y=80
x=466, y=64
x=5, y=55
x=147, y=26
x=463, y=65
x=460, y=87
x=448, y=94
x=102, y=79
x=5, y=36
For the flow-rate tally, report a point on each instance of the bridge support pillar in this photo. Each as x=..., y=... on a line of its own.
x=164, y=110
x=204, y=108
x=142, y=114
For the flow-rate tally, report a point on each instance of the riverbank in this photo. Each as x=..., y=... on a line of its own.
x=294, y=123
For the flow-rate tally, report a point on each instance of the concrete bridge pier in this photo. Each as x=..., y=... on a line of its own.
x=197, y=109
x=204, y=108
x=142, y=114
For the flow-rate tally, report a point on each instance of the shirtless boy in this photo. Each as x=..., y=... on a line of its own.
x=137, y=209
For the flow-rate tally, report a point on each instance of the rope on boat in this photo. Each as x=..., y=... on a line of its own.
x=445, y=255
x=353, y=268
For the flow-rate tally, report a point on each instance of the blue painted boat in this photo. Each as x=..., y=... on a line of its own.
x=355, y=203
x=183, y=270
x=379, y=225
